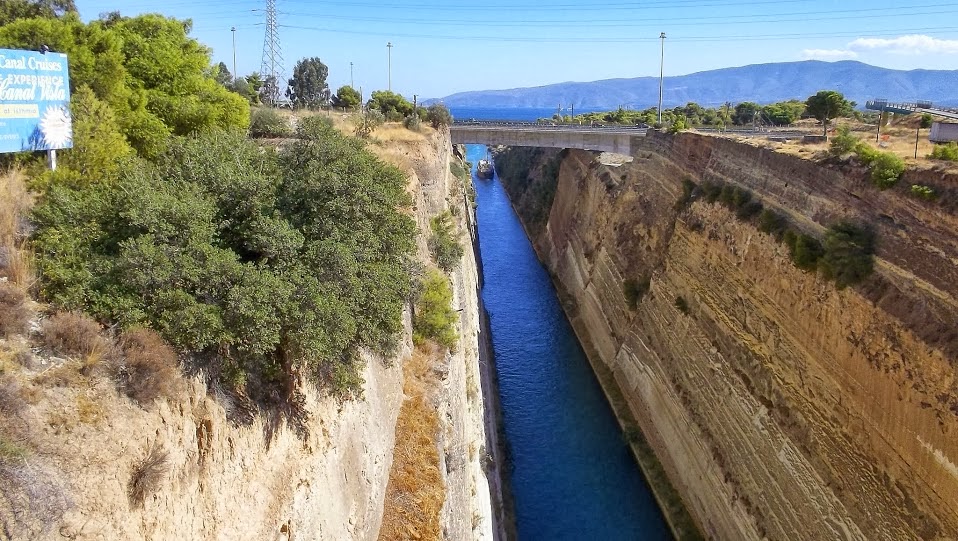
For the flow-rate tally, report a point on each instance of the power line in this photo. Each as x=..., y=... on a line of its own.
x=684, y=39
x=647, y=22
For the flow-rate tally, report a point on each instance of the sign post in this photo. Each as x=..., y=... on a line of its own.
x=34, y=103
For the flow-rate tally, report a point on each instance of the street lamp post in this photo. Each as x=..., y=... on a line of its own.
x=661, y=75
x=233, y=29
x=389, y=73
x=351, y=83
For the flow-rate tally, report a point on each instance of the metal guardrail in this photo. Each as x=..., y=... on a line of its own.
x=546, y=125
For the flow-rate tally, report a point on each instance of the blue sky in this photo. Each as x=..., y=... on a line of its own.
x=446, y=46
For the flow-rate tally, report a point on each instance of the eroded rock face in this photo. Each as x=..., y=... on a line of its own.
x=781, y=406
x=260, y=479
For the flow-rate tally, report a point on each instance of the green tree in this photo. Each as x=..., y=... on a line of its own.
x=926, y=121
x=147, y=69
x=827, y=105
x=784, y=112
x=307, y=88
x=248, y=87
x=745, y=113
x=222, y=75
x=99, y=148
x=393, y=106
x=347, y=97
x=439, y=115
x=847, y=257
x=263, y=265
x=11, y=10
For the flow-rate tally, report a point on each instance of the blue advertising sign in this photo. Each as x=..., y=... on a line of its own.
x=34, y=101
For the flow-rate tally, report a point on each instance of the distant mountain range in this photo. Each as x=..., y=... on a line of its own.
x=761, y=83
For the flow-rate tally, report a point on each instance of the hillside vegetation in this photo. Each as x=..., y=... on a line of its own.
x=262, y=267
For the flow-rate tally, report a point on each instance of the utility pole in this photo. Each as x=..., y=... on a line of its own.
x=661, y=74
x=233, y=30
x=389, y=80
x=272, y=68
x=917, y=132
x=351, y=84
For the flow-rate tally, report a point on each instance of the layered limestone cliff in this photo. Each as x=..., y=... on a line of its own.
x=219, y=478
x=780, y=406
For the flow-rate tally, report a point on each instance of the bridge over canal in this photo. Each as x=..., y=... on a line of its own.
x=616, y=139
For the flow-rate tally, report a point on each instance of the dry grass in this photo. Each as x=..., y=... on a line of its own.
x=75, y=334
x=14, y=315
x=394, y=132
x=416, y=491
x=148, y=474
x=148, y=369
x=16, y=261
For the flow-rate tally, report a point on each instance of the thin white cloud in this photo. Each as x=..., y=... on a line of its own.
x=828, y=54
x=915, y=44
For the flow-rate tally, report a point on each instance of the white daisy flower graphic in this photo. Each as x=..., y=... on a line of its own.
x=56, y=127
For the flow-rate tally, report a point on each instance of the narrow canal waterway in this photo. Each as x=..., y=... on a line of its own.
x=572, y=475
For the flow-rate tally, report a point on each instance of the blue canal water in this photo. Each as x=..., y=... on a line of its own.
x=572, y=475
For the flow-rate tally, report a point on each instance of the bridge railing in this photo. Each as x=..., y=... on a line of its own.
x=544, y=125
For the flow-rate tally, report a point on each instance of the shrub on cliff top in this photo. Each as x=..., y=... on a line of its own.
x=886, y=169
x=945, y=152
x=263, y=265
x=842, y=142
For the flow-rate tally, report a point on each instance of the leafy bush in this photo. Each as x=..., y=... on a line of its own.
x=413, y=123
x=439, y=115
x=847, y=254
x=634, y=290
x=866, y=154
x=393, y=106
x=727, y=196
x=73, y=333
x=886, y=169
x=148, y=369
x=843, y=142
x=14, y=316
x=443, y=243
x=682, y=305
x=945, y=152
x=805, y=250
x=711, y=191
x=749, y=210
x=923, y=192
x=434, y=318
x=368, y=122
x=264, y=265
x=772, y=223
x=268, y=122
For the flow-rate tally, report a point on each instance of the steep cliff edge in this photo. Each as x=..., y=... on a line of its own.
x=780, y=406
x=220, y=469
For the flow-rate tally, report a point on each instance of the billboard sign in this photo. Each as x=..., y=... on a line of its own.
x=34, y=101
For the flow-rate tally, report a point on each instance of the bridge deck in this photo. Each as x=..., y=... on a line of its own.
x=604, y=138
